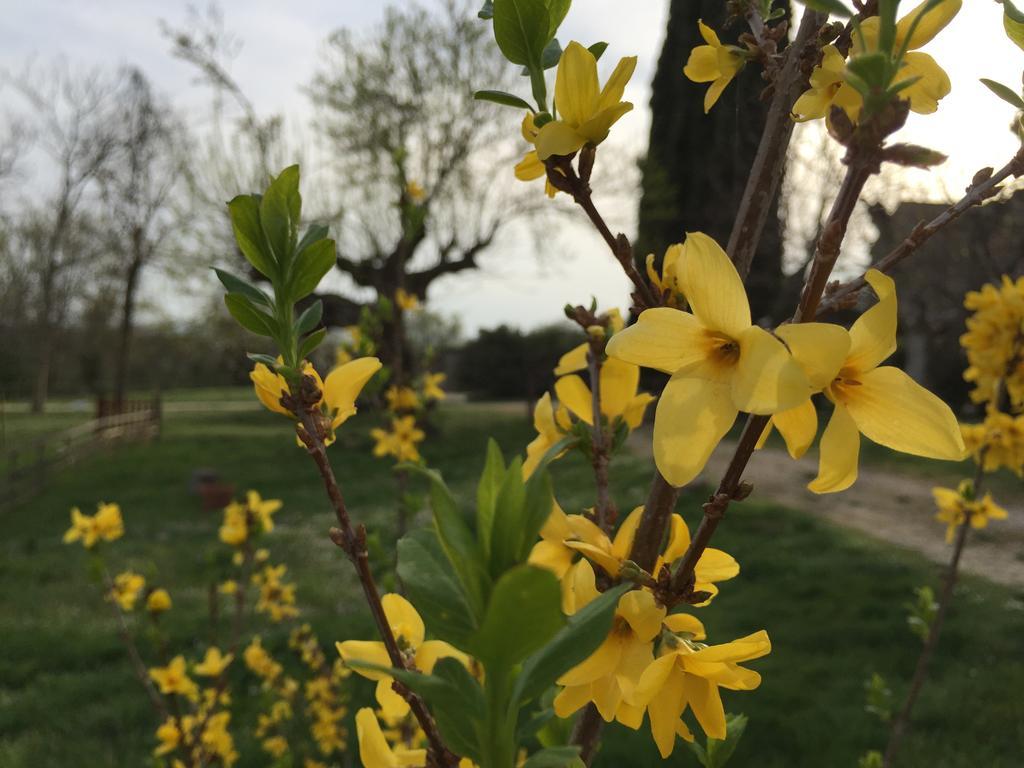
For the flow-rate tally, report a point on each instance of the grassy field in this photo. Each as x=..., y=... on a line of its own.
x=831, y=600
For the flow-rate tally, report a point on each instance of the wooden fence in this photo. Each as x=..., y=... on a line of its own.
x=25, y=470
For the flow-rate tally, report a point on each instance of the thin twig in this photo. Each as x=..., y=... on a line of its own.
x=352, y=541
x=985, y=185
x=604, y=513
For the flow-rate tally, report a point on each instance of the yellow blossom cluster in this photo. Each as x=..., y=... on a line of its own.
x=400, y=441
x=241, y=521
x=126, y=588
x=173, y=679
x=722, y=364
x=325, y=698
x=994, y=343
x=276, y=598
x=402, y=399
x=338, y=392
x=961, y=507
x=105, y=525
x=997, y=442
x=158, y=601
x=651, y=661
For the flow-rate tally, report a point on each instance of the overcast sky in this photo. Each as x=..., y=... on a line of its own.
x=282, y=41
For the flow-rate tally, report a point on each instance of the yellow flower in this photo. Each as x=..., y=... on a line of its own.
x=689, y=674
x=609, y=676
x=228, y=587
x=276, y=598
x=997, y=442
x=400, y=442
x=216, y=738
x=235, y=529
x=406, y=301
x=126, y=589
x=173, y=679
x=105, y=525
x=415, y=191
x=994, y=341
x=667, y=283
x=959, y=507
x=262, y=510
x=720, y=363
x=432, y=386
x=551, y=425
x=713, y=63
x=260, y=662
x=374, y=750
x=402, y=399
x=532, y=167
x=159, y=600
x=275, y=745
x=339, y=390
x=214, y=663
x=619, y=399
x=828, y=88
x=169, y=737
x=586, y=113
x=883, y=403
x=409, y=631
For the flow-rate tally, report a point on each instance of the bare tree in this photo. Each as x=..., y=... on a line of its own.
x=420, y=165
x=70, y=119
x=137, y=188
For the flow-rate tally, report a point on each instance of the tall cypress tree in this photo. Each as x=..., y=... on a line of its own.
x=697, y=164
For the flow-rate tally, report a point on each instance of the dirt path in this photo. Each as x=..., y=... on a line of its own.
x=896, y=508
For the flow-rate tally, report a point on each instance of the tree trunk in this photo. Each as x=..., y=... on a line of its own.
x=697, y=164
x=125, y=333
x=45, y=351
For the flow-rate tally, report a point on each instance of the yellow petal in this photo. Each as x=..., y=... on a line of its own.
x=873, y=335
x=642, y=613
x=634, y=413
x=583, y=589
x=619, y=381
x=576, y=86
x=661, y=688
x=575, y=395
x=715, y=91
x=716, y=565
x=819, y=348
x=606, y=696
x=558, y=138
x=613, y=89
x=662, y=338
x=767, y=378
x=374, y=751
x=571, y=699
x=404, y=620
x=390, y=702
x=706, y=703
x=610, y=564
x=572, y=361
x=752, y=646
x=430, y=651
x=368, y=651
x=600, y=663
x=702, y=66
x=813, y=104
x=892, y=409
x=693, y=416
x=933, y=85
x=269, y=388
x=595, y=130
x=555, y=557
x=798, y=427
x=713, y=286
x=933, y=22
x=709, y=35
x=530, y=167
x=838, y=452
x=678, y=540
x=684, y=622
x=343, y=385
x=624, y=537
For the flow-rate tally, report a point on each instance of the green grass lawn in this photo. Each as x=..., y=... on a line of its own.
x=831, y=600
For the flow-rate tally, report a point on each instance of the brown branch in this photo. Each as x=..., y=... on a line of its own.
x=985, y=185
x=604, y=513
x=352, y=541
x=902, y=722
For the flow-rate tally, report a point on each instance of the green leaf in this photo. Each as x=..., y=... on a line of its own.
x=521, y=30
x=503, y=98
x=872, y=68
x=310, y=267
x=551, y=55
x=268, y=360
x=433, y=587
x=1005, y=93
x=460, y=721
x=1013, y=12
x=236, y=284
x=718, y=751
x=829, y=6
x=555, y=757
x=557, y=9
x=456, y=539
x=581, y=636
x=598, y=49
x=245, y=223
x=487, y=11
x=505, y=638
x=310, y=318
x=537, y=506
x=487, y=496
x=311, y=342
x=314, y=233
x=248, y=316
x=280, y=208
x=507, y=528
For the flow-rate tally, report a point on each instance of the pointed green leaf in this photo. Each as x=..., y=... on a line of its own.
x=310, y=318
x=557, y=9
x=315, y=261
x=505, y=638
x=555, y=757
x=235, y=284
x=487, y=496
x=245, y=223
x=581, y=636
x=487, y=11
x=280, y=208
x=503, y=98
x=434, y=588
x=268, y=360
x=521, y=30
x=314, y=233
x=1005, y=93
x=311, y=342
x=507, y=528
x=248, y=316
